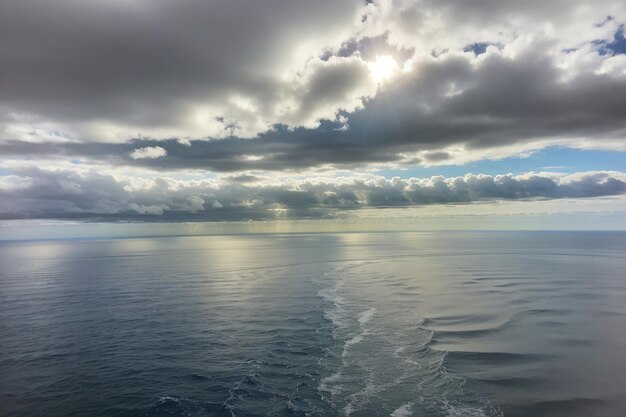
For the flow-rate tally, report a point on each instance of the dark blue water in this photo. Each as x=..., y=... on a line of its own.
x=383, y=324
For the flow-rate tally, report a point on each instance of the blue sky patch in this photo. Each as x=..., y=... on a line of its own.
x=553, y=159
x=477, y=48
x=615, y=47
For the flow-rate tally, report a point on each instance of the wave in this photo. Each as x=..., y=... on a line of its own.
x=396, y=358
x=175, y=405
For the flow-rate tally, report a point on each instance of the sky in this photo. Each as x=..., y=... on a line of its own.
x=153, y=110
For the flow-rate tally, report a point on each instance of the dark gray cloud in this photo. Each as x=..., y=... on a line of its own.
x=500, y=102
x=146, y=62
x=37, y=193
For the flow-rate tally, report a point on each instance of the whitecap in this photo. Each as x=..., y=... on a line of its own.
x=366, y=316
x=463, y=411
x=356, y=339
x=404, y=410
x=324, y=382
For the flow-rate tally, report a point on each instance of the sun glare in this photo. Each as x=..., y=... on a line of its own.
x=383, y=68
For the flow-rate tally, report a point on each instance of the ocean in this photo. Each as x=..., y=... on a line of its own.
x=330, y=324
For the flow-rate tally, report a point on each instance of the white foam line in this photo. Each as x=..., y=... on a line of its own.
x=460, y=411
x=332, y=378
x=366, y=316
x=404, y=410
x=356, y=339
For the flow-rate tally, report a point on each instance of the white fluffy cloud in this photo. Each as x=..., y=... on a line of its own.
x=150, y=152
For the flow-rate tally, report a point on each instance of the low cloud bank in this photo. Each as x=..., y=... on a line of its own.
x=39, y=193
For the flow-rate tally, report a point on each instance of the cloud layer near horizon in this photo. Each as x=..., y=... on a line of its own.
x=37, y=193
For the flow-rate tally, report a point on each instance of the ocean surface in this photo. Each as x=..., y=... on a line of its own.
x=355, y=324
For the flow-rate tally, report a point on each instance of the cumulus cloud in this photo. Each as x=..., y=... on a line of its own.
x=451, y=109
x=150, y=152
x=38, y=193
x=117, y=69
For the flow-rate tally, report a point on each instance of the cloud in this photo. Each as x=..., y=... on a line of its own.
x=39, y=193
x=111, y=71
x=287, y=82
x=269, y=99
x=150, y=152
x=454, y=109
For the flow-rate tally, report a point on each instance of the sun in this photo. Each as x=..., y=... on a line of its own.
x=383, y=68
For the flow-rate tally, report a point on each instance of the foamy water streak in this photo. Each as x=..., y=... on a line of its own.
x=374, y=362
x=404, y=410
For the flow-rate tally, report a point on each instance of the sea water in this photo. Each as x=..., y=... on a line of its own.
x=355, y=324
